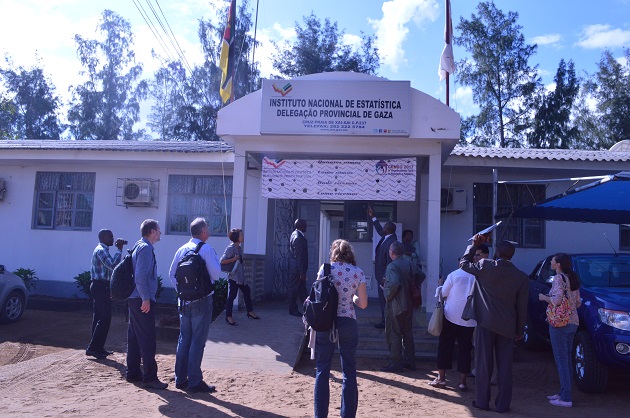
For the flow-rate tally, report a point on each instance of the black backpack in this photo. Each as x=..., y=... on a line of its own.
x=193, y=279
x=320, y=308
x=123, y=282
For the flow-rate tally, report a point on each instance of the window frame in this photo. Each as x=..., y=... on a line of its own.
x=58, y=195
x=624, y=237
x=510, y=196
x=216, y=222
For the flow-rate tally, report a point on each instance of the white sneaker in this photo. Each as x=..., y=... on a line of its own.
x=560, y=402
x=553, y=397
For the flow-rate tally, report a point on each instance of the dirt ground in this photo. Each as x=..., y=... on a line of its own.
x=44, y=373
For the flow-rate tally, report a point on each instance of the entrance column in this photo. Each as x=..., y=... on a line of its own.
x=239, y=185
x=433, y=226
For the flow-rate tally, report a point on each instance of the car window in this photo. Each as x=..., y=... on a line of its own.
x=546, y=272
x=603, y=270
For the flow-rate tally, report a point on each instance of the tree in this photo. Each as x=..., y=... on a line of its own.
x=107, y=105
x=504, y=85
x=610, y=87
x=29, y=110
x=187, y=102
x=552, y=125
x=319, y=49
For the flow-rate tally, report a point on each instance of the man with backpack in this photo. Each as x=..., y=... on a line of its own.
x=195, y=310
x=141, y=338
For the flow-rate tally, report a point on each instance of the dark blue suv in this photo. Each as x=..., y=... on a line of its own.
x=602, y=342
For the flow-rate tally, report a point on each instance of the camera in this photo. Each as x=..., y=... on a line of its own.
x=124, y=242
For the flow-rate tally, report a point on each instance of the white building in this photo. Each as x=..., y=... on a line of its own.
x=59, y=194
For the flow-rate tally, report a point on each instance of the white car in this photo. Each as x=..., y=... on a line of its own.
x=13, y=296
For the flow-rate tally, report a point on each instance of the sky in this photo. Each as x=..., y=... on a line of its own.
x=410, y=33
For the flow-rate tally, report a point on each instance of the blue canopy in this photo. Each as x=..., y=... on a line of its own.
x=604, y=201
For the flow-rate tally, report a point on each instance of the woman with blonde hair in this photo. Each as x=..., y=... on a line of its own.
x=349, y=281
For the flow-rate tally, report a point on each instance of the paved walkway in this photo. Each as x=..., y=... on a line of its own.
x=271, y=344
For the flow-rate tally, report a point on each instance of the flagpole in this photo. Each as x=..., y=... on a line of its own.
x=448, y=95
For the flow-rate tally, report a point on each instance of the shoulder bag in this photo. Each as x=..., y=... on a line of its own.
x=437, y=318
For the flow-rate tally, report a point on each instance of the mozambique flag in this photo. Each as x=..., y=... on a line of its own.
x=226, y=64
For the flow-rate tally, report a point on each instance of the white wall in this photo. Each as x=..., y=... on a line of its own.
x=60, y=255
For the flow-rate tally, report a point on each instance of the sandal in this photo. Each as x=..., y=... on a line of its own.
x=462, y=387
x=437, y=383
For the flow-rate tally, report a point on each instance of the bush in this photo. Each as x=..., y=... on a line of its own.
x=83, y=282
x=160, y=288
x=28, y=277
x=219, y=298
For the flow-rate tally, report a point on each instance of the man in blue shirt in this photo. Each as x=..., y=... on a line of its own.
x=141, y=340
x=194, y=316
x=101, y=272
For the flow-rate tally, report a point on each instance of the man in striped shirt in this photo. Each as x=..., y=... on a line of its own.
x=102, y=266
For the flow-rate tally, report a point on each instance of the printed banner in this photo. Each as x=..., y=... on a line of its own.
x=314, y=107
x=339, y=179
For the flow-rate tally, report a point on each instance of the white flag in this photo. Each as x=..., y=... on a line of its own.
x=447, y=61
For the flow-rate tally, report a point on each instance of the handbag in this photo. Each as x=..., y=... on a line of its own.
x=437, y=318
x=416, y=295
x=558, y=315
x=414, y=291
x=468, y=312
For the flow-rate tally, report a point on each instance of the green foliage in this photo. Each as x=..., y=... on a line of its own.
x=187, y=99
x=160, y=288
x=552, y=124
x=108, y=104
x=29, y=277
x=504, y=85
x=219, y=297
x=29, y=110
x=319, y=49
x=83, y=282
x=610, y=87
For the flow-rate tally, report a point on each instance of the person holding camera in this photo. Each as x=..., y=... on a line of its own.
x=101, y=272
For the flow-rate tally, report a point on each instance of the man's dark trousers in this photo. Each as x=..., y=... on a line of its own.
x=102, y=314
x=399, y=336
x=141, y=341
x=486, y=344
x=296, y=290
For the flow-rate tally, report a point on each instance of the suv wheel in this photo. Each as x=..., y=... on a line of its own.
x=591, y=376
x=13, y=307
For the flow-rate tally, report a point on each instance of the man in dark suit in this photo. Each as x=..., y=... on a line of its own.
x=298, y=263
x=500, y=308
x=382, y=258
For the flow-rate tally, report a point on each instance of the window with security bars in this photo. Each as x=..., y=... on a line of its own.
x=64, y=200
x=189, y=197
x=624, y=237
x=527, y=233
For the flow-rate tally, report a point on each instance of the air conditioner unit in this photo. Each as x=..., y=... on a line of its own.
x=453, y=199
x=136, y=192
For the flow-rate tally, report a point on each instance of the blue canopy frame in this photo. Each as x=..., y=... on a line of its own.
x=604, y=201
